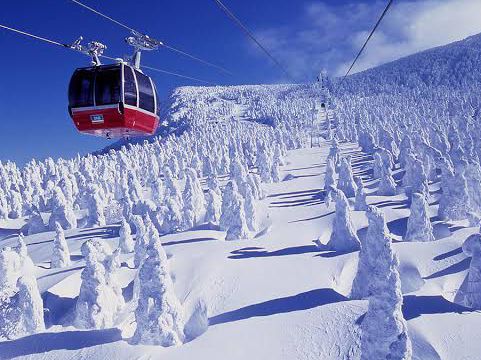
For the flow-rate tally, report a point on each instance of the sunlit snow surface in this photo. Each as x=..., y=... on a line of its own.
x=276, y=296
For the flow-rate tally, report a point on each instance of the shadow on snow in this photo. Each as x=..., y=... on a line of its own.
x=302, y=301
x=67, y=340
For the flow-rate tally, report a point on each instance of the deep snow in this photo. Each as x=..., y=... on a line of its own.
x=276, y=296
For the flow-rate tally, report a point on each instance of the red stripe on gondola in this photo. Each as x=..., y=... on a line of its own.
x=132, y=122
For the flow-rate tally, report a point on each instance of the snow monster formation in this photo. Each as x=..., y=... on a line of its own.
x=470, y=295
x=384, y=332
x=100, y=297
x=343, y=237
x=21, y=307
x=419, y=226
x=159, y=313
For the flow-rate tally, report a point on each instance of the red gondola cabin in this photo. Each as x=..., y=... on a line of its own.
x=113, y=101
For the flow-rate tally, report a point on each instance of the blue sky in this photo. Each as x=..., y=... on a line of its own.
x=304, y=35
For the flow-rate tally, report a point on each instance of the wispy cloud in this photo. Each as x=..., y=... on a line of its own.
x=329, y=36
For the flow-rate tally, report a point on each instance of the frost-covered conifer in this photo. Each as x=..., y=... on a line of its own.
x=454, y=201
x=360, y=203
x=470, y=295
x=142, y=239
x=60, y=252
x=387, y=185
x=96, y=207
x=405, y=148
x=172, y=189
x=21, y=307
x=275, y=172
x=278, y=155
x=171, y=217
x=386, y=141
x=384, y=331
x=473, y=181
x=62, y=212
x=158, y=192
x=159, y=313
x=232, y=217
x=250, y=210
x=346, y=181
x=112, y=265
x=334, y=153
x=415, y=179
x=256, y=180
x=329, y=179
x=214, y=202
x=30, y=306
x=343, y=237
x=367, y=141
x=97, y=303
x=376, y=237
x=419, y=226
x=264, y=164
x=126, y=241
x=189, y=216
x=193, y=199
x=213, y=184
x=16, y=208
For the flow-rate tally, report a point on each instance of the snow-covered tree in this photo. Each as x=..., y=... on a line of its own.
x=264, y=164
x=96, y=206
x=384, y=333
x=343, y=237
x=330, y=177
x=275, y=171
x=193, y=199
x=360, y=203
x=415, y=179
x=126, y=241
x=158, y=314
x=454, y=201
x=376, y=238
x=172, y=217
x=278, y=157
x=419, y=226
x=470, y=295
x=250, y=210
x=256, y=187
x=214, y=202
x=387, y=185
x=233, y=219
x=21, y=307
x=346, y=181
x=30, y=306
x=62, y=212
x=98, y=302
x=141, y=239
x=60, y=252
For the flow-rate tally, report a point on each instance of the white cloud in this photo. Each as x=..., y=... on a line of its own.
x=329, y=36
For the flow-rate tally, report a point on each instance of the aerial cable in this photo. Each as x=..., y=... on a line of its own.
x=103, y=15
x=171, y=48
x=178, y=75
x=249, y=34
x=34, y=36
x=72, y=47
x=368, y=38
x=160, y=43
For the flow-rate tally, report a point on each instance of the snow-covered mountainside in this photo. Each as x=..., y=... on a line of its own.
x=265, y=226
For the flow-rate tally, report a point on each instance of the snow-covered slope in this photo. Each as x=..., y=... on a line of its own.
x=274, y=297
x=278, y=290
